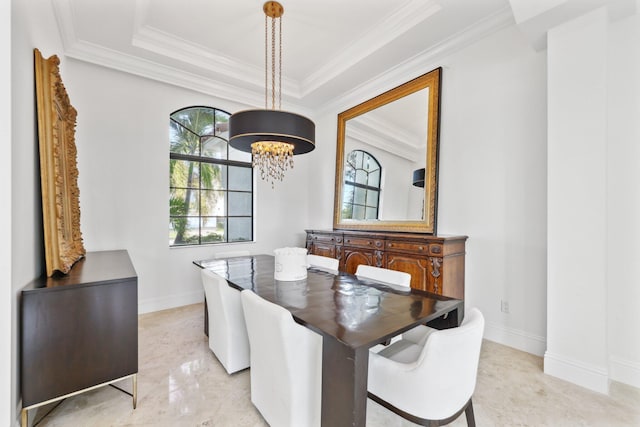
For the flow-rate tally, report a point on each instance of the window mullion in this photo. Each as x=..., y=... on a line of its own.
x=210, y=123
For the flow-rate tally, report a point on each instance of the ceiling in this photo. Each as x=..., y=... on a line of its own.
x=331, y=48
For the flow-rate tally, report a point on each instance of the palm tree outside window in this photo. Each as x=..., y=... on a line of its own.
x=211, y=183
x=361, y=192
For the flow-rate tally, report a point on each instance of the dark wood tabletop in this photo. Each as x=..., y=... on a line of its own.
x=352, y=314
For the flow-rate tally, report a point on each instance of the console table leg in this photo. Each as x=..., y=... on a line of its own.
x=135, y=390
x=24, y=415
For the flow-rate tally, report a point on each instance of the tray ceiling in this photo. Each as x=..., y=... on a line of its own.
x=330, y=48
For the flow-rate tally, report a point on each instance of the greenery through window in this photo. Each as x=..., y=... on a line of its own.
x=361, y=192
x=211, y=183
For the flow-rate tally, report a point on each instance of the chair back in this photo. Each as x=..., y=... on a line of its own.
x=323, y=262
x=286, y=364
x=393, y=277
x=443, y=378
x=227, y=330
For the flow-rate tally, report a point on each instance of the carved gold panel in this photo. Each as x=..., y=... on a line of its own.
x=58, y=168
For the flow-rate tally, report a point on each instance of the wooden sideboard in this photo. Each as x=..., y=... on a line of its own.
x=436, y=263
x=79, y=331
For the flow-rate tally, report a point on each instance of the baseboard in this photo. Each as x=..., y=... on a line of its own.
x=171, y=301
x=624, y=371
x=515, y=338
x=583, y=374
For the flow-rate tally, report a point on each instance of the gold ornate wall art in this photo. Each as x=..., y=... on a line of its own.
x=58, y=168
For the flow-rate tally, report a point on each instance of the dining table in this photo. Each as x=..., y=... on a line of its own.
x=352, y=314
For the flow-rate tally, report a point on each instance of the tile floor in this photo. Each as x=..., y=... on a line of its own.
x=181, y=383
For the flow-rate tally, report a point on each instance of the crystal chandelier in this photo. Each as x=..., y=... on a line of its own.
x=272, y=158
x=271, y=135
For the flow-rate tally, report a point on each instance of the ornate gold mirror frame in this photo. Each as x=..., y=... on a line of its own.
x=58, y=168
x=429, y=85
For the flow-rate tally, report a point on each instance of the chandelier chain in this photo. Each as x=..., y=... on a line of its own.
x=266, y=64
x=273, y=63
x=280, y=67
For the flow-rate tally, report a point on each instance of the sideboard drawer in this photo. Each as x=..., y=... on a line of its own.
x=413, y=247
x=363, y=242
x=432, y=249
x=325, y=238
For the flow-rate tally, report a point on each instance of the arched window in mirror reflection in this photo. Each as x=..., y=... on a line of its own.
x=361, y=186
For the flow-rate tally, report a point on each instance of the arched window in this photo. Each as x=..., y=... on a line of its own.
x=361, y=192
x=211, y=183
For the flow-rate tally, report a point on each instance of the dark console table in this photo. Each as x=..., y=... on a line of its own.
x=79, y=331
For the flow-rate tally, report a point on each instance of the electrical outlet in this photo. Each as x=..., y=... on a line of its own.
x=504, y=306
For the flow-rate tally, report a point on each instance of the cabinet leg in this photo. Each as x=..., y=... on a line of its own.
x=24, y=417
x=135, y=390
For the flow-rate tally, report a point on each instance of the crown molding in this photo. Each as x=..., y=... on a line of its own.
x=149, y=38
x=422, y=62
x=247, y=91
x=96, y=54
x=109, y=58
x=63, y=13
x=383, y=138
x=413, y=13
x=153, y=40
x=170, y=46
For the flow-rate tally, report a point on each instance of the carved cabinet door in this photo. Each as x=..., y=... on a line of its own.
x=353, y=257
x=417, y=267
x=323, y=244
x=425, y=272
x=323, y=249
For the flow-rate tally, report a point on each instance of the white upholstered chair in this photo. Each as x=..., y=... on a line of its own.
x=430, y=384
x=322, y=262
x=219, y=255
x=227, y=331
x=286, y=364
x=392, y=277
x=399, y=279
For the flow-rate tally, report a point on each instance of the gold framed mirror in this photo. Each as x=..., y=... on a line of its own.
x=387, y=160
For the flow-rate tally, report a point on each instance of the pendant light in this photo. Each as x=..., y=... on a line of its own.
x=271, y=135
x=418, y=177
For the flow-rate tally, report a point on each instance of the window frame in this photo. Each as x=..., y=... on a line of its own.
x=199, y=160
x=353, y=184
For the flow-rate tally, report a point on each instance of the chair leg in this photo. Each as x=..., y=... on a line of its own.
x=471, y=420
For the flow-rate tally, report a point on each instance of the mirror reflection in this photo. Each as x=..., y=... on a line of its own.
x=396, y=134
x=386, y=160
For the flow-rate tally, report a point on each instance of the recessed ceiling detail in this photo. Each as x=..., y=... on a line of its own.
x=332, y=49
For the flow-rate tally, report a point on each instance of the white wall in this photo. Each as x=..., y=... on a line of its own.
x=623, y=210
x=6, y=291
x=577, y=238
x=492, y=179
x=595, y=258
x=123, y=163
x=32, y=26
